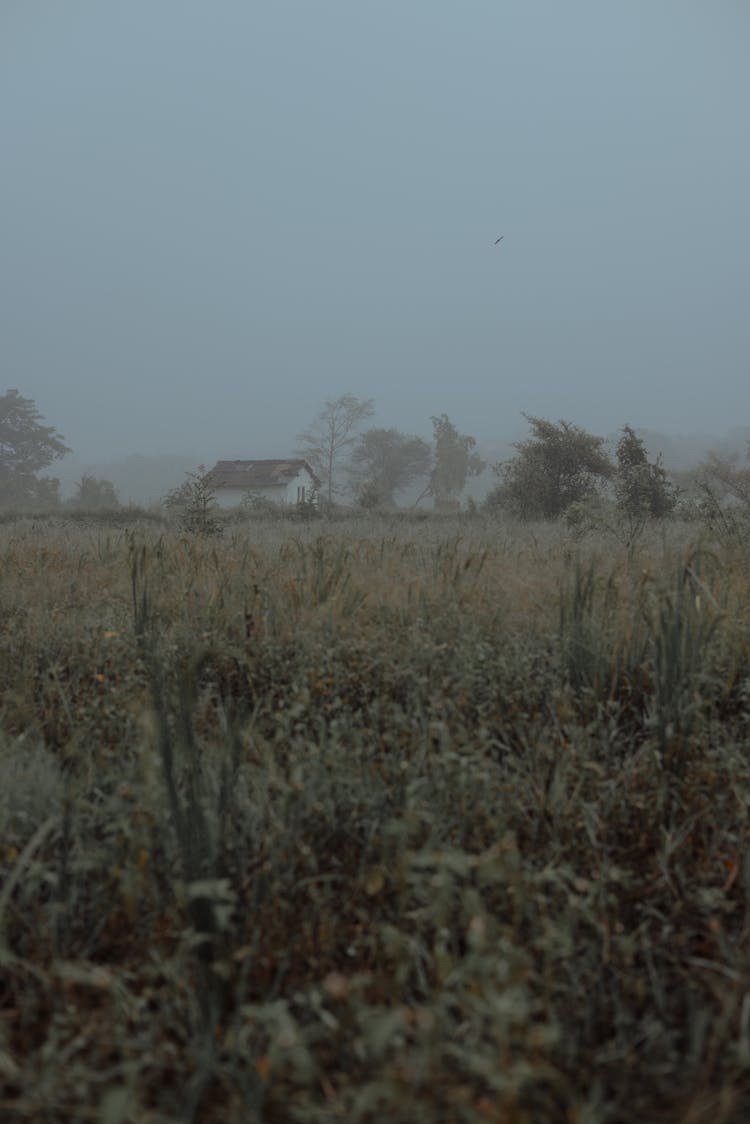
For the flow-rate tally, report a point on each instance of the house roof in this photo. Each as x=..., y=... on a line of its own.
x=257, y=474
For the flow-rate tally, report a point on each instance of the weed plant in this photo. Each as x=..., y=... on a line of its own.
x=373, y=820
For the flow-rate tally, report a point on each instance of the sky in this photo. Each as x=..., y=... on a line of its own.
x=213, y=217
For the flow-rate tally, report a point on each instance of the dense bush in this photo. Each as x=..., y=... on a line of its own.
x=557, y=466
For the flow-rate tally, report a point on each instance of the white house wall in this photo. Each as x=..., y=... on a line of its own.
x=232, y=497
x=281, y=493
x=301, y=480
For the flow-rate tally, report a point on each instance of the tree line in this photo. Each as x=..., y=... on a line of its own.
x=555, y=471
x=26, y=448
x=558, y=467
x=377, y=465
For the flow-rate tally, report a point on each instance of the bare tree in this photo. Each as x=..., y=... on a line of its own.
x=332, y=433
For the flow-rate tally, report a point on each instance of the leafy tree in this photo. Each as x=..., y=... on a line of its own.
x=95, y=495
x=26, y=446
x=453, y=462
x=642, y=489
x=557, y=466
x=384, y=462
x=333, y=432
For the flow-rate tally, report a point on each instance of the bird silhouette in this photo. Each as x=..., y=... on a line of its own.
x=497, y=240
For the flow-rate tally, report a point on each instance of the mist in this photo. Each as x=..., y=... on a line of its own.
x=214, y=217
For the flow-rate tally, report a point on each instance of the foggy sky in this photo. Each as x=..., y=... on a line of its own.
x=216, y=215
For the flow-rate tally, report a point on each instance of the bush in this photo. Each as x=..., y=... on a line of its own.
x=95, y=495
x=642, y=488
x=557, y=466
x=194, y=504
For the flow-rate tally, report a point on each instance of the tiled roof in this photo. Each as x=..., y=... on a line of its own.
x=257, y=474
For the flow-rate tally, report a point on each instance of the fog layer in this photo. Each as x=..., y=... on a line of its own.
x=214, y=216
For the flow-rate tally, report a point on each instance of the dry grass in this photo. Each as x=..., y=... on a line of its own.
x=388, y=820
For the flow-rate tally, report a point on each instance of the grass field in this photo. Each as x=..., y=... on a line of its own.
x=389, y=820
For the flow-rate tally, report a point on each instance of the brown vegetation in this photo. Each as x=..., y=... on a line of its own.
x=389, y=820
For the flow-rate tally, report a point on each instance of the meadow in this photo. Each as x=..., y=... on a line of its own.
x=391, y=819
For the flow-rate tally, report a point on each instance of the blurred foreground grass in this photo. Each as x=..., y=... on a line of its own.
x=435, y=821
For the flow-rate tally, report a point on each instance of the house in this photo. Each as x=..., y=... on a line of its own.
x=282, y=482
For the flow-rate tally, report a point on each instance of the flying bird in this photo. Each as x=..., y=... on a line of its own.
x=497, y=240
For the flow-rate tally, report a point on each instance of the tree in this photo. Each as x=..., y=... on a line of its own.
x=725, y=478
x=95, y=495
x=557, y=466
x=723, y=501
x=453, y=462
x=642, y=489
x=333, y=432
x=26, y=446
x=384, y=462
x=194, y=502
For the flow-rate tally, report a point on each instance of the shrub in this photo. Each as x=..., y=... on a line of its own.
x=194, y=504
